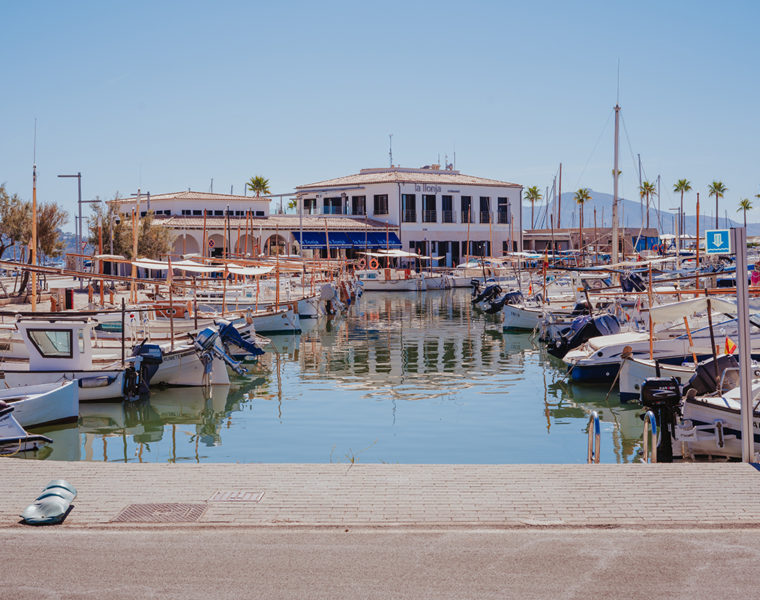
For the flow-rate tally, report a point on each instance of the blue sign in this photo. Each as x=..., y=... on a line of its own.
x=718, y=241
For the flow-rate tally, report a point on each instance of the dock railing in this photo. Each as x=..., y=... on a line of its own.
x=650, y=436
x=594, y=438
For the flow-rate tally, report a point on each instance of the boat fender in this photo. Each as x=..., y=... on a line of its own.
x=96, y=382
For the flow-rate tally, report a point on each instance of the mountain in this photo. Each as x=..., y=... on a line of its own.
x=629, y=213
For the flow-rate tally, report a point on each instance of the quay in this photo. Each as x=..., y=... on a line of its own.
x=340, y=495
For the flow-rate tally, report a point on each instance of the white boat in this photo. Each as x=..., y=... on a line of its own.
x=634, y=371
x=391, y=280
x=13, y=437
x=43, y=404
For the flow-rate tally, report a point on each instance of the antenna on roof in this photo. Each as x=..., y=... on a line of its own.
x=390, y=149
x=211, y=189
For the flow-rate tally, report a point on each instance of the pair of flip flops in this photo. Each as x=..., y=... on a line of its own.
x=52, y=505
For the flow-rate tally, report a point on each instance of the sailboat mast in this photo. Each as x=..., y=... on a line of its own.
x=615, y=174
x=33, y=242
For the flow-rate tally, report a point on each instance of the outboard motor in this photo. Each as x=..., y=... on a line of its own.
x=208, y=347
x=708, y=374
x=234, y=343
x=491, y=291
x=632, y=282
x=475, y=285
x=582, y=329
x=146, y=358
x=581, y=308
x=515, y=297
x=663, y=397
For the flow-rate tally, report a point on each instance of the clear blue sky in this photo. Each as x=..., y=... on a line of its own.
x=166, y=95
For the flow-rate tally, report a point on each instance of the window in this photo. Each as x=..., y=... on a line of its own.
x=381, y=204
x=168, y=212
x=485, y=209
x=333, y=206
x=218, y=213
x=447, y=209
x=309, y=205
x=259, y=213
x=358, y=205
x=466, y=204
x=185, y=212
x=503, y=210
x=428, y=209
x=409, y=208
x=143, y=213
x=52, y=343
x=198, y=213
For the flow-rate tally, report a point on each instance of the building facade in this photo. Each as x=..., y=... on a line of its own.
x=435, y=211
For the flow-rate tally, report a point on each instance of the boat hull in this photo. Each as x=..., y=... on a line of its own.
x=46, y=404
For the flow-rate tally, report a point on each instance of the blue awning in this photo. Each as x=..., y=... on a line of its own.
x=311, y=239
x=357, y=240
x=380, y=239
x=338, y=239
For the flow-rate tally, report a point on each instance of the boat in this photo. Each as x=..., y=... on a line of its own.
x=13, y=437
x=43, y=404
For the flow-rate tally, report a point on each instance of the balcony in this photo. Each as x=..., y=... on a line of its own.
x=485, y=216
x=466, y=217
x=429, y=216
x=447, y=216
x=503, y=216
x=410, y=216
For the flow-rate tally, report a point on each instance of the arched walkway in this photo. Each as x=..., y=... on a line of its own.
x=216, y=245
x=247, y=245
x=276, y=244
x=185, y=244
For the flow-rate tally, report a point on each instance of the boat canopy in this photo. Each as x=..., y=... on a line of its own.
x=194, y=267
x=676, y=311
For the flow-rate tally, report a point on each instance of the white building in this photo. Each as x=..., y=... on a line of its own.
x=429, y=207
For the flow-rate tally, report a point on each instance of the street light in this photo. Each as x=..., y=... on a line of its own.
x=79, y=226
x=677, y=209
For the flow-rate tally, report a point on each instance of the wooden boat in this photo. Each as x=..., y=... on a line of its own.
x=44, y=404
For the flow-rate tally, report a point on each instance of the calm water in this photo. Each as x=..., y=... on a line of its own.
x=403, y=378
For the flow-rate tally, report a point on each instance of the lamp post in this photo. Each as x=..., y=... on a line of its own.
x=79, y=225
x=677, y=209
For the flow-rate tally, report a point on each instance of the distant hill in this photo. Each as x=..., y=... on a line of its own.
x=629, y=212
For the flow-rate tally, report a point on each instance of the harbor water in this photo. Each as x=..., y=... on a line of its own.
x=401, y=378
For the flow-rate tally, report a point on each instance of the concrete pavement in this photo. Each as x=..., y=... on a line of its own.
x=391, y=496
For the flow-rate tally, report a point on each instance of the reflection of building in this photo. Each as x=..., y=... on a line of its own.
x=594, y=239
x=388, y=348
x=436, y=210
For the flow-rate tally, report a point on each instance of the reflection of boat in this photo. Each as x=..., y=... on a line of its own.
x=43, y=404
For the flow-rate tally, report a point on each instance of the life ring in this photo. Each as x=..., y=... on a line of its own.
x=362, y=263
x=373, y=264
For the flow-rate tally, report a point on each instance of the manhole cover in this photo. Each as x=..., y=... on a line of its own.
x=160, y=513
x=236, y=496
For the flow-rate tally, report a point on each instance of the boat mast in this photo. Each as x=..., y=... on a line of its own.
x=615, y=175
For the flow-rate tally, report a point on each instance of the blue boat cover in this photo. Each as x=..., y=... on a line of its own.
x=372, y=240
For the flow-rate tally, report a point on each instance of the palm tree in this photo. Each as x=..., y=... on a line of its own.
x=532, y=195
x=717, y=189
x=258, y=184
x=745, y=205
x=582, y=196
x=646, y=189
x=683, y=186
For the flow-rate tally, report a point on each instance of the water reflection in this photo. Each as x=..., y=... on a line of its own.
x=412, y=378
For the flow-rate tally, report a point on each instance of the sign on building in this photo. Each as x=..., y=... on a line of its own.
x=718, y=241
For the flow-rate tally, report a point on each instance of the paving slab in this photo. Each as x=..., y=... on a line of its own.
x=379, y=495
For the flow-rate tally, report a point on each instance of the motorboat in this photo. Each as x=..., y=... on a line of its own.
x=14, y=438
x=43, y=404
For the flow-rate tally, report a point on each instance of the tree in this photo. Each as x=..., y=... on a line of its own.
x=532, y=195
x=15, y=218
x=683, y=186
x=153, y=240
x=259, y=185
x=717, y=189
x=50, y=219
x=582, y=196
x=647, y=188
x=745, y=205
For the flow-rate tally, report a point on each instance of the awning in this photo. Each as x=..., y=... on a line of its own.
x=678, y=310
x=311, y=239
x=348, y=239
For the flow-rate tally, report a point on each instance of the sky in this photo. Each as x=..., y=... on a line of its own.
x=165, y=96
